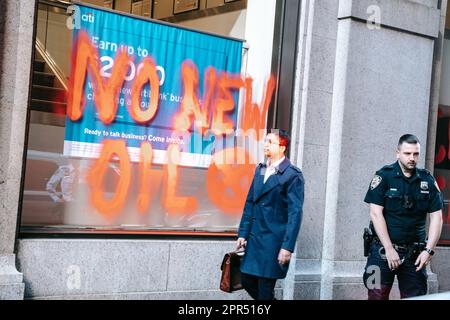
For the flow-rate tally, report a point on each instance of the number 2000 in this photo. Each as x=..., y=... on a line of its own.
x=108, y=64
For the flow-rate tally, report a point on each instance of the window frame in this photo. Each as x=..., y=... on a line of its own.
x=284, y=54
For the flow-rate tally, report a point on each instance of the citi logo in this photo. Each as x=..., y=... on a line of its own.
x=75, y=17
x=88, y=17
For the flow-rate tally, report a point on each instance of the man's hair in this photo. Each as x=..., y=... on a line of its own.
x=283, y=136
x=408, y=138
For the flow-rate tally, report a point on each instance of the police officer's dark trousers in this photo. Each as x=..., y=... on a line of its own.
x=378, y=278
x=258, y=288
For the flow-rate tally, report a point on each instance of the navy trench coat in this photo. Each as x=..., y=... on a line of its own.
x=271, y=219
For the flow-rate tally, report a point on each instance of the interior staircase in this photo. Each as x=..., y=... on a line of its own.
x=47, y=94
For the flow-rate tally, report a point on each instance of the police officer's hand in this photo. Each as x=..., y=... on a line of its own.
x=422, y=260
x=393, y=258
x=241, y=242
x=284, y=256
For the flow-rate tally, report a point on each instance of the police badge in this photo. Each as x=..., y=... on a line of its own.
x=375, y=182
x=424, y=185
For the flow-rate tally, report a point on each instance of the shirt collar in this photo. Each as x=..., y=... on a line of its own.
x=400, y=173
x=276, y=163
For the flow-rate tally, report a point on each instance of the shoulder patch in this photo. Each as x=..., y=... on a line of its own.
x=437, y=186
x=375, y=182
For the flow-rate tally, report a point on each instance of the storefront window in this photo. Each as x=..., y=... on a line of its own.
x=442, y=157
x=139, y=126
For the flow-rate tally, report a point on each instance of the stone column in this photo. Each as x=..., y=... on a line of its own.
x=439, y=264
x=310, y=134
x=435, y=89
x=16, y=41
x=382, y=75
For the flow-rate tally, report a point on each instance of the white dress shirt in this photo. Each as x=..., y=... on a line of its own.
x=271, y=168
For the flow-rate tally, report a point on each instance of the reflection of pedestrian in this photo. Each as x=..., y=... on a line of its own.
x=271, y=219
x=400, y=196
x=65, y=176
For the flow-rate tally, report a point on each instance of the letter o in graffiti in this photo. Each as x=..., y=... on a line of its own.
x=228, y=180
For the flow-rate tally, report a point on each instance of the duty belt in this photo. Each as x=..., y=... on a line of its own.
x=409, y=249
x=401, y=248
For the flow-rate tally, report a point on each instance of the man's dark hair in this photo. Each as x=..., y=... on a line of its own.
x=408, y=138
x=283, y=136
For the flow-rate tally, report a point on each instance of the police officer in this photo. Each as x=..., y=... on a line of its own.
x=400, y=196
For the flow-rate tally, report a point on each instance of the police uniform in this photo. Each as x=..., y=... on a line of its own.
x=406, y=202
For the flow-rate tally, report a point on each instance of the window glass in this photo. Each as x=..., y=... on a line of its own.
x=86, y=170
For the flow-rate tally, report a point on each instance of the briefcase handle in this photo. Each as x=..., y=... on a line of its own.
x=240, y=252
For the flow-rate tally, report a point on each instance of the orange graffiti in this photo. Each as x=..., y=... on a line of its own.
x=254, y=116
x=190, y=106
x=147, y=74
x=225, y=103
x=147, y=175
x=106, y=95
x=172, y=203
x=227, y=183
x=97, y=173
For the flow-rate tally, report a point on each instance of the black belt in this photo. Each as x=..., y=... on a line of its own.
x=401, y=248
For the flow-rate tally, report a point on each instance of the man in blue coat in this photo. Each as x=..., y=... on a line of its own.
x=271, y=219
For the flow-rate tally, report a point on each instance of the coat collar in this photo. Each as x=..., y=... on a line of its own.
x=284, y=164
x=262, y=188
